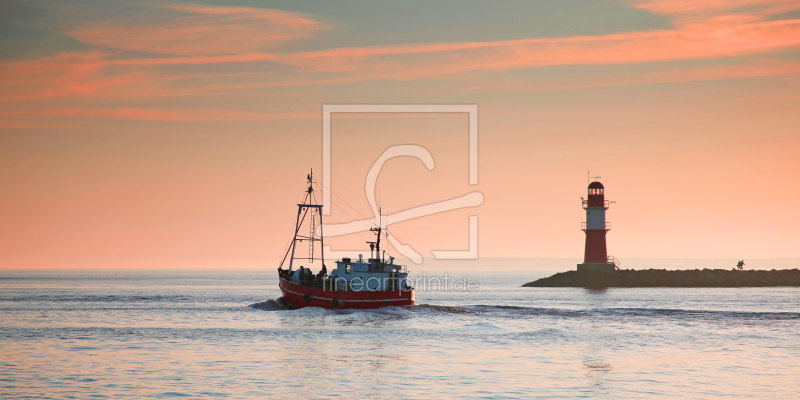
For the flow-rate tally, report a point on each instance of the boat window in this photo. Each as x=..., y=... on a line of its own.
x=347, y=269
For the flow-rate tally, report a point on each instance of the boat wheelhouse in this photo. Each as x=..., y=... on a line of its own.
x=371, y=283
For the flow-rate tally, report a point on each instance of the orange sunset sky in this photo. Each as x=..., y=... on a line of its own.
x=179, y=134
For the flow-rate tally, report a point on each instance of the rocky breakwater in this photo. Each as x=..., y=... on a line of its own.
x=666, y=278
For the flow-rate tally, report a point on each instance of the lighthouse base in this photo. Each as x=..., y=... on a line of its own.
x=599, y=267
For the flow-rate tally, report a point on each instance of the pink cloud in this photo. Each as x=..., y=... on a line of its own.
x=48, y=77
x=121, y=113
x=95, y=74
x=202, y=30
x=672, y=75
x=720, y=36
x=283, y=18
x=86, y=74
x=706, y=7
x=196, y=60
x=15, y=118
x=16, y=124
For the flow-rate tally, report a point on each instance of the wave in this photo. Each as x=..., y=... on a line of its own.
x=100, y=298
x=501, y=311
x=518, y=311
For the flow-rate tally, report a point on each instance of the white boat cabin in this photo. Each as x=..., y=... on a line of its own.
x=362, y=276
x=370, y=275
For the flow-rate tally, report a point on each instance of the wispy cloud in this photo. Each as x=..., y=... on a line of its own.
x=704, y=8
x=16, y=118
x=711, y=33
x=48, y=77
x=751, y=69
x=202, y=30
x=18, y=124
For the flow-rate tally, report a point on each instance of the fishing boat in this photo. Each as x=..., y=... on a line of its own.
x=354, y=283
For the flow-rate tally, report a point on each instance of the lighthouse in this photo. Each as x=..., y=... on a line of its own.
x=595, y=256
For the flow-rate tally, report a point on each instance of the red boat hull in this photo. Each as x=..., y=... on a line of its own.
x=305, y=296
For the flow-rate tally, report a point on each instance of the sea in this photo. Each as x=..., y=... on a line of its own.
x=226, y=334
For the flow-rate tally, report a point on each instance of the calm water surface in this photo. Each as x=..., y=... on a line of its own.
x=221, y=334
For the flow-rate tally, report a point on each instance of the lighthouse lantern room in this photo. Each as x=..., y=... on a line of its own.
x=595, y=256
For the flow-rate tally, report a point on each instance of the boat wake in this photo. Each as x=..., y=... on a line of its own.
x=446, y=309
x=278, y=304
x=515, y=312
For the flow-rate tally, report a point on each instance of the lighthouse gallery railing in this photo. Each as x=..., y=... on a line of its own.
x=584, y=202
x=583, y=226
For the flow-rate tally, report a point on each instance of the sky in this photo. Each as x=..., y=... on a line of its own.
x=179, y=134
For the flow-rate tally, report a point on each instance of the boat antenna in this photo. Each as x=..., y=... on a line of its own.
x=377, y=232
x=386, y=231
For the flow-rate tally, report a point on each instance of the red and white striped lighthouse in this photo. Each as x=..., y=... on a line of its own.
x=595, y=256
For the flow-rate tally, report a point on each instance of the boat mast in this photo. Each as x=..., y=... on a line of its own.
x=309, y=203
